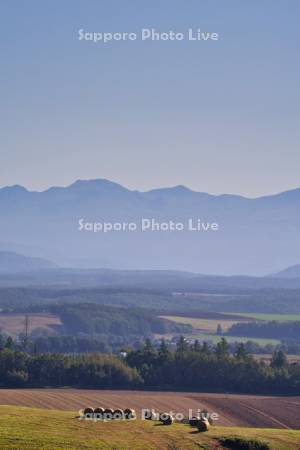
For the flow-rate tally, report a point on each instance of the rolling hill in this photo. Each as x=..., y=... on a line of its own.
x=35, y=429
x=11, y=262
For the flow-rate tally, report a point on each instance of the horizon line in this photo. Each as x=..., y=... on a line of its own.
x=177, y=186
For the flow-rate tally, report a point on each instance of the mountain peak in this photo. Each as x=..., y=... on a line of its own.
x=12, y=190
x=289, y=272
x=181, y=188
x=97, y=183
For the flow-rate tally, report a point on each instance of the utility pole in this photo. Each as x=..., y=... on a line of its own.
x=26, y=332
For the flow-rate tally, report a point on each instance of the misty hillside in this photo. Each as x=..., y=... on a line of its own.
x=11, y=262
x=290, y=272
x=255, y=237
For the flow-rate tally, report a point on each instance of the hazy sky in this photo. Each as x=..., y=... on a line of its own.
x=216, y=116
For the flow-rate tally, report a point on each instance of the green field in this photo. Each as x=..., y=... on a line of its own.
x=206, y=325
x=39, y=429
x=215, y=339
x=268, y=317
x=205, y=329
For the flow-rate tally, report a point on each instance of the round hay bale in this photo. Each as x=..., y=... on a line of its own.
x=118, y=414
x=148, y=414
x=203, y=425
x=98, y=413
x=129, y=414
x=108, y=414
x=193, y=422
x=166, y=419
x=205, y=414
x=88, y=412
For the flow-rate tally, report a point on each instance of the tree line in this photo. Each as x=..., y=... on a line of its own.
x=189, y=366
x=20, y=369
x=272, y=329
x=201, y=367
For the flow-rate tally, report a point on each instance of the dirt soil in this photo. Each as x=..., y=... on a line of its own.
x=233, y=410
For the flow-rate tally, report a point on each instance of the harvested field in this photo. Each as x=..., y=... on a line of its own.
x=204, y=325
x=233, y=410
x=205, y=328
x=14, y=323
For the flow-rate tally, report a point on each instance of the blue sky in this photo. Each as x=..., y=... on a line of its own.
x=216, y=116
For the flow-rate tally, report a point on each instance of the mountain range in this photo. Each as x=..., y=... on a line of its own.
x=11, y=262
x=289, y=272
x=254, y=236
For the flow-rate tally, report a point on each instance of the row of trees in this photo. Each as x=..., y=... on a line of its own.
x=200, y=367
x=20, y=369
x=273, y=329
x=193, y=366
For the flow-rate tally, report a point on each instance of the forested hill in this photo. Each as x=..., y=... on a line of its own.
x=91, y=319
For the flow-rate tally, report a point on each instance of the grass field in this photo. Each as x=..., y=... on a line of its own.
x=215, y=339
x=205, y=329
x=207, y=337
x=38, y=429
x=268, y=317
x=205, y=325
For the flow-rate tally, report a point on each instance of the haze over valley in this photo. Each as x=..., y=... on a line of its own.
x=254, y=237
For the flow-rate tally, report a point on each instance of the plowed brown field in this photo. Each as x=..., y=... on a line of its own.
x=233, y=410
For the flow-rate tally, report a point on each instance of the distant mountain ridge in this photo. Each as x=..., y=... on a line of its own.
x=102, y=183
x=289, y=272
x=256, y=235
x=11, y=262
